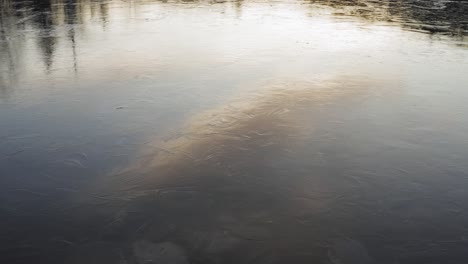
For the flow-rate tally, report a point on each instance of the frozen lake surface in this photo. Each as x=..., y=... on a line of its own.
x=137, y=132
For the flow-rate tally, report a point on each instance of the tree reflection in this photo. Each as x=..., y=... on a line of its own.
x=238, y=7
x=46, y=17
x=70, y=19
x=45, y=23
x=9, y=51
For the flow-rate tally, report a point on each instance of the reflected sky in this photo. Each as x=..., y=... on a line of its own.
x=343, y=122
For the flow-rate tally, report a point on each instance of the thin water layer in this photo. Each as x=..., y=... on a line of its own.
x=233, y=132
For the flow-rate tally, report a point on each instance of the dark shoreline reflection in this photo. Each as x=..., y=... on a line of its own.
x=431, y=16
